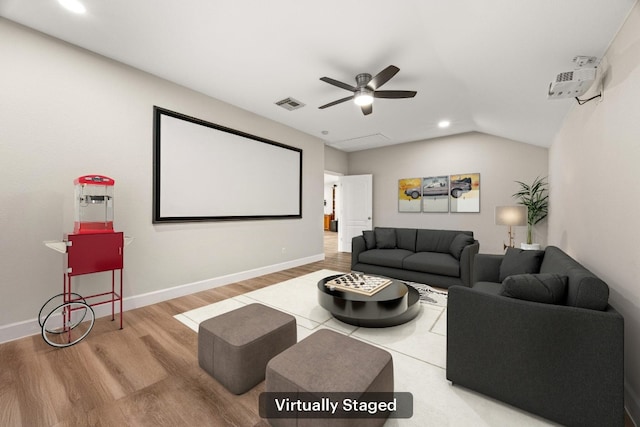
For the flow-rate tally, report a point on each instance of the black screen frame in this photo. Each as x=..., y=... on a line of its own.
x=158, y=217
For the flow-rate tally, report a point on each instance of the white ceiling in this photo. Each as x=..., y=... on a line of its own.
x=485, y=65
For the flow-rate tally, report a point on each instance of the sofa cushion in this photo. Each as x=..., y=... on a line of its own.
x=433, y=241
x=556, y=261
x=459, y=243
x=406, y=238
x=369, y=239
x=436, y=240
x=384, y=257
x=548, y=288
x=519, y=261
x=433, y=262
x=385, y=238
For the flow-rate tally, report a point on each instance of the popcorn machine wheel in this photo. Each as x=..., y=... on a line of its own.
x=64, y=324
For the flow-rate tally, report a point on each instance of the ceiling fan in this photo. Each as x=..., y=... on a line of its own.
x=367, y=88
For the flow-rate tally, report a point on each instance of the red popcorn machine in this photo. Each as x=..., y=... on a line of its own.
x=93, y=204
x=93, y=247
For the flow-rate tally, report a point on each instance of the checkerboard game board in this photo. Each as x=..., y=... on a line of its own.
x=359, y=283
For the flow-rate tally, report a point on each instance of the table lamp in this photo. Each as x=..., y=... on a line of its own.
x=511, y=216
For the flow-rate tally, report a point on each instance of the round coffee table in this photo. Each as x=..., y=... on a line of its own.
x=394, y=305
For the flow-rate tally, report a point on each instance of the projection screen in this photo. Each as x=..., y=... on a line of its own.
x=206, y=172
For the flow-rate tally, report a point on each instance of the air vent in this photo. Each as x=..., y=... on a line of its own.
x=290, y=104
x=571, y=84
x=564, y=77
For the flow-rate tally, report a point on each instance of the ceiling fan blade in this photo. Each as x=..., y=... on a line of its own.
x=337, y=83
x=331, y=104
x=394, y=94
x=367, y=109
x=383, y=76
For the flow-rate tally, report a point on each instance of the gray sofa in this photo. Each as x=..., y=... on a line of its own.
x=536, y=331
x=440, y=258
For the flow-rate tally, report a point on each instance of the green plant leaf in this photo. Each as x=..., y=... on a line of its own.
x=535, y=197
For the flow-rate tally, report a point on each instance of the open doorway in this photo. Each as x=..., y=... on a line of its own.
x=347, y=207
x=331, y=209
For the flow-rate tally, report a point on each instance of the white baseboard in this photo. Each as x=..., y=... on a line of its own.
x=26, y=328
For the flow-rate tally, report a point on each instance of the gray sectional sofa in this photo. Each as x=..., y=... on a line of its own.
x=439, y=258
x=536, y=331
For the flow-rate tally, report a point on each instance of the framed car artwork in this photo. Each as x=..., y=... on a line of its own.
x=464, y=193
x=435, y=194
x=409, y=195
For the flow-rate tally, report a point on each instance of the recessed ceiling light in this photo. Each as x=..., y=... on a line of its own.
x=444, y=124
x=73, y=5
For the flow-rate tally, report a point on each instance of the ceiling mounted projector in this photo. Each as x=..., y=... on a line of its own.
x=572, y=84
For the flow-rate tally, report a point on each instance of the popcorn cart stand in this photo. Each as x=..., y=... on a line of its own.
x=93, y=247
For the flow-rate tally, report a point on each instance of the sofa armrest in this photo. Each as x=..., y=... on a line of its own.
x=467, y=258
x=486, y=268
x=358, y=245
x=562, y=363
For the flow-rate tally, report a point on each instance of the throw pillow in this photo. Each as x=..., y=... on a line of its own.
x=519, y=261
x=369, y=239
x=459, y=243
x=548, y=288
x=385, y=238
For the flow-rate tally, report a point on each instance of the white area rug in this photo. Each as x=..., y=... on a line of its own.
x=418, y=349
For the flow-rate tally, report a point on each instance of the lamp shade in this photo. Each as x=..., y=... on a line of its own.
x=511, y=215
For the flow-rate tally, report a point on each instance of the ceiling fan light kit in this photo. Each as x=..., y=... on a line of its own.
x=367, y=88
x=364, y=96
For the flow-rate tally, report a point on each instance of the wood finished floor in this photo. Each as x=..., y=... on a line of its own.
x=144, y=375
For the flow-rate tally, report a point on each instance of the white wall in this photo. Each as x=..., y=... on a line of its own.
x=499, y=161
x=594, y=164
x=65, y=112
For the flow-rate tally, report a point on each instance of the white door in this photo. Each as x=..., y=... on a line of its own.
x=356, y=208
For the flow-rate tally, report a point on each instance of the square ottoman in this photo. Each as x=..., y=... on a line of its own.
x=234, y=348
x=327, y=361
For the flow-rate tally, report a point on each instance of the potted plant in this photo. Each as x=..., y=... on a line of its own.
x=536, y=198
